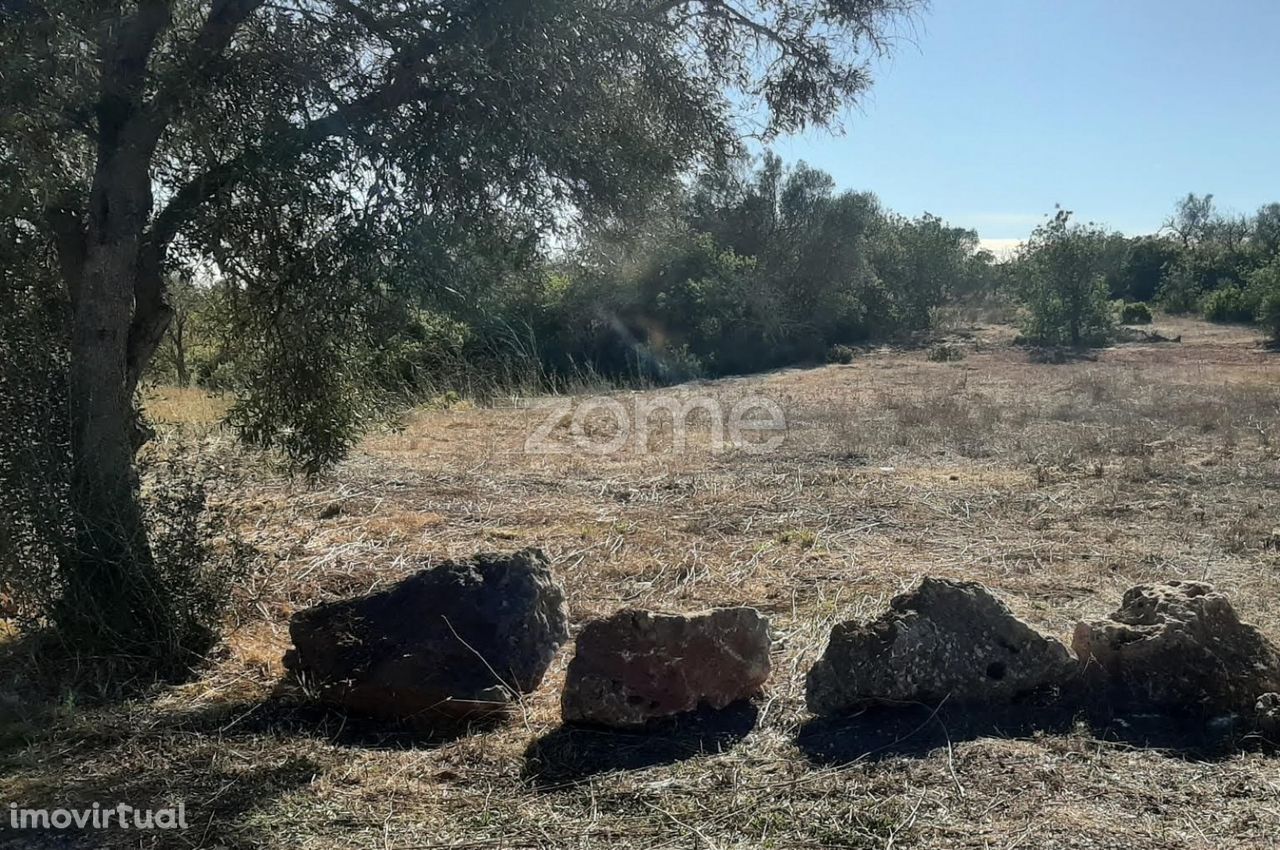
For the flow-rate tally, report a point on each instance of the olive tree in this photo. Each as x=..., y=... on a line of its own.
x=325, y=155
x=1062, y=283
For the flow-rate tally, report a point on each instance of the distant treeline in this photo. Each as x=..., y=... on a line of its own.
x=1222, y=265
x=738, y=270
x=748, y=268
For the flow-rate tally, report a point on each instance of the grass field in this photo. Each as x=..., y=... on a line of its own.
x=1058, y=485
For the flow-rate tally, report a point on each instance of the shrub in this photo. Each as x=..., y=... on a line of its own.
x=1062, y=285
x=35, y=457
x=1229, y=304
x=1135, y=313
x=196, y=556
x=1269, y=314
x=840, y=354
x=1264, y=286
x=200, y=555
x=1180, y=288
x=945, y=353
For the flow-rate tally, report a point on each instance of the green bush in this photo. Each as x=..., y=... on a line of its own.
x=840, y=354
x=35, y=452
x=1180, y=289
x=196, y=559
x=1229, y=304
x=1062, y=286
x=1135, y=313
x=199, y=557
x=194, y=554
x=1269, y=314
x=945, y=353
x=1264, y=285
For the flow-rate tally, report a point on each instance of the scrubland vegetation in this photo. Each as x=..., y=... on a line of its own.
x=285, y=287
x=1060, y=485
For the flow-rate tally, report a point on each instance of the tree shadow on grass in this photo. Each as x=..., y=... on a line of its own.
x=41, y=679
x=106, y=757
x=914, y=731
x=570, y=754
x=216, y=801
x=226, y=761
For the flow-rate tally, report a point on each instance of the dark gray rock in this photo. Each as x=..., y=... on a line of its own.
x=448, y=644
x=944, y=640
x=1178, y=648
x=1266, y=716
x=639, y=665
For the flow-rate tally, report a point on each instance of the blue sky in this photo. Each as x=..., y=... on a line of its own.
x=991, y=111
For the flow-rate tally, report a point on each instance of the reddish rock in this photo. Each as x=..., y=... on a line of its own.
x=639, y=665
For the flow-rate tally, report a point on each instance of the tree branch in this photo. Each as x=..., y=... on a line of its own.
x=124, y=69
x=151, y=314
x=151, y=311
x=219, y=28
x=402, y=87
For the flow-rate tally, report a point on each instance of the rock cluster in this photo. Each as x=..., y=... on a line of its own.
x=463, y=640
x=1178, y=648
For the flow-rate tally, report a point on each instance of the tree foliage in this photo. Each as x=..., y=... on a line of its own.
x=1062, y=283
x=333, y=161
x=752, y=268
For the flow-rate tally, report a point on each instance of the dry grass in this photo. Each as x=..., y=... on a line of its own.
x=189, y=407
x=1057, y=485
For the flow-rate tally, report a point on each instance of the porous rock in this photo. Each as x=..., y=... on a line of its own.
x=1178, y=648
x=639, y=665
x=944, y=640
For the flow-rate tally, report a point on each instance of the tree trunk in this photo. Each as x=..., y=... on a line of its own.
x=111, y=587
x=178, y=336
x=113, y=599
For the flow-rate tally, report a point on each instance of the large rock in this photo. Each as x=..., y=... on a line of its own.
x=639, y=665
x=456, y=642
x=1179, y=648
x=944, y=640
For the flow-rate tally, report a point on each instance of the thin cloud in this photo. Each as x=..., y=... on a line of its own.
x=1002, y=248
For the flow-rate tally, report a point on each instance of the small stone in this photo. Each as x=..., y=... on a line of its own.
x=639, y=665
x=1179, y=648
x=944, y=640
x=452, y=643
x=1266, y=715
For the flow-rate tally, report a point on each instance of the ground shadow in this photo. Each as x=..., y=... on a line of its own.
x=569, y=754
x=1192, y=738
x=180, y=755
x=284, y=715
x=40, y=677
x=883, y=732
x=1060, y=355
x=148, y=768
x=215, y=802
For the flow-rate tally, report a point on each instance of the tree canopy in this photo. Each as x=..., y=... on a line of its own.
x=331, y=159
